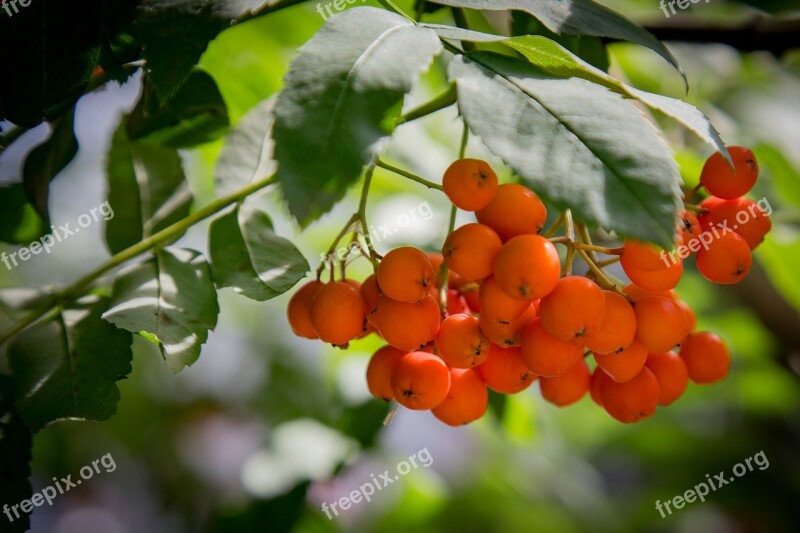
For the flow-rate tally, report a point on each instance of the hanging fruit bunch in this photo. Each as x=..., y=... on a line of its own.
x=498, y=308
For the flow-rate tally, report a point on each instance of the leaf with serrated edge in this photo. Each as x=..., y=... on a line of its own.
x=68, y=367
x=171, y=297
x=576, y=143
x=341, y=100
x=576, y=17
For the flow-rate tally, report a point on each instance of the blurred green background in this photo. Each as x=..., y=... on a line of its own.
x=266, y=427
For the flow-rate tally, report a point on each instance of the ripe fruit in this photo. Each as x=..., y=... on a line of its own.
x=527, y=267
x=688, y=226
x=494, y=302
x=338, y=313
x=379, y=372
x=514, y=210
x=503, y=333
x=405, y=274
x=595, y=383
x=575, y=308
x=567, y=388
x=632, y=400
x=726, y=261
x=660, y=323
x=650, y=268
x=470, y=184
x=456, y=304
x=466, y=401
x=470, y=251
x=624, y=365
x=461, y=343
x=706, y=356
x=641, y=256
x=420, y=381
x=618, y=328
x=299, y=310
x=545, y=356
x=404, y=325
x=723, y=181
x=671, y=373
x=636, y=293
x=504, y=370
x=658, y=280
x=743, y=216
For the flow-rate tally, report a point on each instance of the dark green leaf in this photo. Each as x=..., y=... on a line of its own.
x=576, y=143
x=576, y=17
x=147, y=190
x=170, y=297
x=248, y=150
x=50, y=49
x=247, y=256
x=341, y=98
x=194, y=115
x=68, y=367
x=48, y=159
x=19, y=221
x=16, y=442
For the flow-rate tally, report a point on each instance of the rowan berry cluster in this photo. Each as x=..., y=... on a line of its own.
x=498, y=309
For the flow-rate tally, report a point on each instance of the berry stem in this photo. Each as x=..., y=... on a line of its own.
x=607, y=262
x=557, y=223
x=602, y=279
x=462, y=151
x=695, y=208
x=599, y=249
x=408, y=175
x=332, y=249
x=442, y=101
x=688, y=194
x=570, y=230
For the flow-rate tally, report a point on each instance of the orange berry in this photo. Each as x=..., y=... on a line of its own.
x=338, y=313
x=466, y=401
x=726, y=261
x=706, y=356
x=379, y=372
x=370, y=291
x=420, y=381
x=624, y=365
x=470, y=250
x=299, y=310
x=595, y=383
x=632, y=400
x=404, y=325
x=514, y=210
x=657, y=280
x=725, y=182
x=456, y=304
x=743, y=216
x=494, y=301
x=504, y=333
x=575, y=308
x=405, y=274
x=546, y=356
x=642, y=256
x=660, y=323
x=527, y=267
x=688, y=227
x=567, y=388
x=470, y=184
x=636, y=293
x=618, y=328
x=671, y=373
x=504, y=370
x=471, y=295
x=461, y=343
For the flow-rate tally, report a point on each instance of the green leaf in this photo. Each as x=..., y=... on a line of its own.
x=19, y=221
x=170, y=297
x=147, y=190
x=68, y=367
x=576, y=143
x=341, y=98
x=247, y=154
x=576, y=17
x=50, y=49
x=48, y=159
x=16, y=443
x=247, y=256
x=195, y=114
x=558, y=61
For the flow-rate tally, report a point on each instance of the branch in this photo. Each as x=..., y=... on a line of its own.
x=770, y=34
